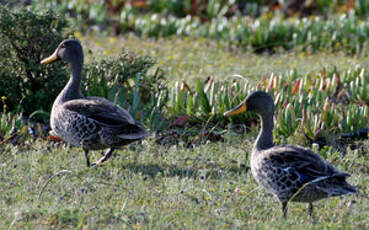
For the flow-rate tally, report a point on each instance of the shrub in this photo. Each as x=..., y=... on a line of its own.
x=29, y=87
x=25, y=38
x=128, y=80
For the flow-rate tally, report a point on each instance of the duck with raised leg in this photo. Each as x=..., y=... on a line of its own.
x=92, y=123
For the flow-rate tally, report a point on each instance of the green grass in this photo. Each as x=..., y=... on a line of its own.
x=147, y=186
x=190, y=59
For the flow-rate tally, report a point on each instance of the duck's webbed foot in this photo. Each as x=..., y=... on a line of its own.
x=106, y=156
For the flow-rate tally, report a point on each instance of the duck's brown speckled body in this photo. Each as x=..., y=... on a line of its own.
x=292, y=173
x=89, y=122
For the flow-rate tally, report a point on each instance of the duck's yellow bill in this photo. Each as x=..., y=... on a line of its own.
x=51, y=59
x=241, y=108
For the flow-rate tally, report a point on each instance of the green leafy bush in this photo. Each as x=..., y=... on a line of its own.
x=128, y=80
x=25, y=38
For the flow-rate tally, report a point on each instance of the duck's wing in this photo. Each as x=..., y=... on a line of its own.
x=309, y=165
x=107, y=115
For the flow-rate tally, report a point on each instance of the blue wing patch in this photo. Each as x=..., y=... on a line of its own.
x=302, y=177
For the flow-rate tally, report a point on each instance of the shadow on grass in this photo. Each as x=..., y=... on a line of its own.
x=216, y=171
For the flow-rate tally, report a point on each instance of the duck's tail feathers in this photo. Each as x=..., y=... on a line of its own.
x=337, y=186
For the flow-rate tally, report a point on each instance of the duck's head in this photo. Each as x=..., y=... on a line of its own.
x=259, y=102
x=69, y=50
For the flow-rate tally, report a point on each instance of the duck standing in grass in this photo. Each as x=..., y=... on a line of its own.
x=292, y=173
x=89, y=122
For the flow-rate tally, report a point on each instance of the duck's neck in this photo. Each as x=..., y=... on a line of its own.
x=265, y=137
x=72, y=89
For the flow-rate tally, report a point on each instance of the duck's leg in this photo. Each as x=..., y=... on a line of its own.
x=87, y=159
x=311, y=209
x=105, y=157
x=284, y=209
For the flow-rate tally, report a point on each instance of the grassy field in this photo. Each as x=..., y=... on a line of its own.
x=148, y=186
x=191, y=59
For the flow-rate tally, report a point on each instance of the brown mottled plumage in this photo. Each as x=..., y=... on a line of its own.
x=89, y=122
x=292, y=173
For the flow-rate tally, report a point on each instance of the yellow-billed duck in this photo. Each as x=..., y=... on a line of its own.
x=291, y=173
x=89, y=122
